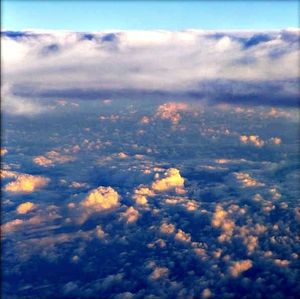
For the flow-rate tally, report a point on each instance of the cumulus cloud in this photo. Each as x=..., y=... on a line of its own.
x=140, y=195
x=222, y=66
x=131, y=215
x=51, y=158
x=101, y=198
x=276, y=140
x=167, y=228
x=252, y=139
x=182, y=236
x=171, y=111
x=171, y=180
x=158, y=273
x=25, y=207
x=239, y=267
x=246, y=180
x=26, y=183
x=221, y=220
x=3, y=151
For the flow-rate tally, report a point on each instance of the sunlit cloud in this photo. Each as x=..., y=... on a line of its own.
x=26, y=183
x=25, y=207
x=171, y=180
x=100, y=199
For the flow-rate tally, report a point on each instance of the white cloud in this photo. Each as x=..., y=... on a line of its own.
x=246, y=180
x=171, y=111
x=252, y=139
x=172, y=179
x=51, y=158
x=151, y=60
x=26, y=183
x=100, y=199
x=131, y=215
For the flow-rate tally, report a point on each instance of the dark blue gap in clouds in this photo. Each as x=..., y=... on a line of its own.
x=268, y=93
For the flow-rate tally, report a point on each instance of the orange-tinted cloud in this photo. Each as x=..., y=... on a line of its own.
x=172, y=180
x=170, y=111
x=102, y=198
x=26, y=183
x=25, y=207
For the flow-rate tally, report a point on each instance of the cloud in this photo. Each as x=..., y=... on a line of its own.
x=101, y=199
x=131, y=215
x=167, y=228
x=11, y=225
x=220, y=66
x=3, y=151
x=26, y=183
x=206, y=293
x=140, y=195
x=158, y=273
x=239, y=267
x=18, y=105
x=25, y=207
x=221, y=220
x=182, y=236
x=172, y=180
x=51, y=158
x=252, y=139
x=170, y=111
x=246, y=180
x=276, y=140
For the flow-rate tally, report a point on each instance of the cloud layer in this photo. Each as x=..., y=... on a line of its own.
x=255, y=67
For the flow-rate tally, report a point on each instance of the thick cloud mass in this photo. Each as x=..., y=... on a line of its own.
x=257, y=67
x=100, y=199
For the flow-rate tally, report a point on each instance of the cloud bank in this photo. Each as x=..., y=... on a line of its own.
x=229, y=66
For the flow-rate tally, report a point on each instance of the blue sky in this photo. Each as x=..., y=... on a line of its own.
x=139, y=15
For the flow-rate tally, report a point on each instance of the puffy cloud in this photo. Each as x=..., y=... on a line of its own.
x=145, y=120
x=275, y=140
x=140, y=195
x=247, y=180
x=159, y=272
x=131, y=215
x=221, y=220
x=51, y=158
x=172, y=179
x=100, y=232
x=182, y=236
x=25, y=207
x=297, y=213
x=252, y=139
x=3, y=151
x=100, y=199
x=167, y=228
x=8, y=174
x=78, y=185
x=206, y=293
x=281, y=263
x=122, y=155
x=170, y=111
x=239, y=267
x=26, y=183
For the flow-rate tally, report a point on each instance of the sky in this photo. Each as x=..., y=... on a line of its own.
x=146, y=163
x=147, y=15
